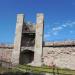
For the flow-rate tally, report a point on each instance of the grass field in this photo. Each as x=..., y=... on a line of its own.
x=45, y=69
x=33, y=69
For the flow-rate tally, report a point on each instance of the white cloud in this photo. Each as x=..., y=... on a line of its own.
x=64, y=25
x=55, y=33
x=70, y=24
x=57, y=28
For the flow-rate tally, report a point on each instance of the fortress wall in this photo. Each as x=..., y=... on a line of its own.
x=63, y=57
x=5, y=54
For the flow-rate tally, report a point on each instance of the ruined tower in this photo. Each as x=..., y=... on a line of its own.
x=23, y=52
x=39, y=39
x=17, y=41
x=28, y=41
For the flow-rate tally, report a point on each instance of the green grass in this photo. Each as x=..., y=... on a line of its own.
x=2, y=69
x=6, y=70
x=44, y=69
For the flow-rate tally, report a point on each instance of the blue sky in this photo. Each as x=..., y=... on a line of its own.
x=59, y=18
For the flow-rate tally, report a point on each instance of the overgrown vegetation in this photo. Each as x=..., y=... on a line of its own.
x=45, y=69
x=33, y=69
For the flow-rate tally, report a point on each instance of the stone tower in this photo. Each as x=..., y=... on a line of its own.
x=38, y=40
x=17, y=41
x=28, y=41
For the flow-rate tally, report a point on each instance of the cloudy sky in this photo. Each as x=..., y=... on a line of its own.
x=59, y=18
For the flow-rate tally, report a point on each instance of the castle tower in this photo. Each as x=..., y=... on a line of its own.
x=17, y=41
x=38, y=40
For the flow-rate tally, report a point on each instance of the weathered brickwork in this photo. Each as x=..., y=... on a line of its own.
x=59, y=56
x=5, y=56
x=17, y=41
x=38, y=39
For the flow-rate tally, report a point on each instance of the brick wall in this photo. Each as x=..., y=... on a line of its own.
x=59, y=56
x=5, y=54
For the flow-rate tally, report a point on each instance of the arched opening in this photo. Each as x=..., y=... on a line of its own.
x=26, y=57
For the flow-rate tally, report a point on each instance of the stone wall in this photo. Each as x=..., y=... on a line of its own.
x=59, y=56
x=38, y=39
x=5, y=56
x=17, y=40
